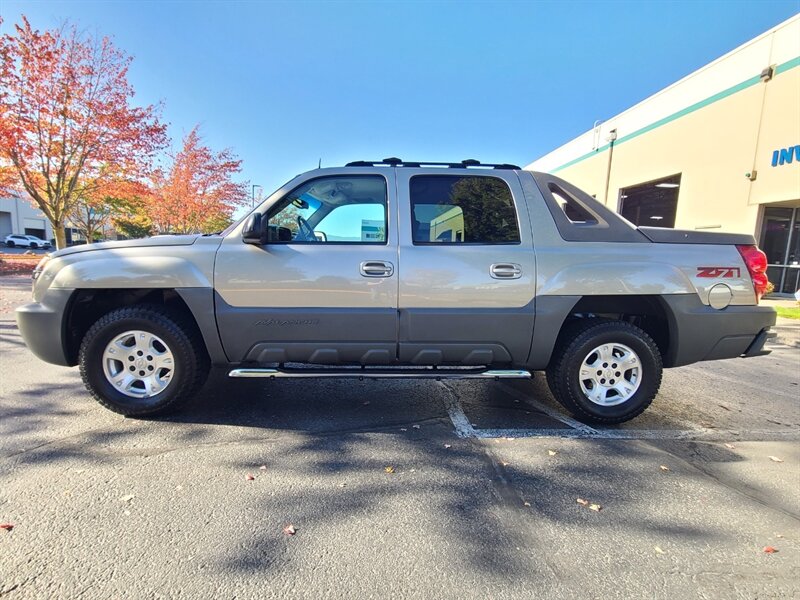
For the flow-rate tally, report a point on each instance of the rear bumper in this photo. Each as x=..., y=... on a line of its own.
x=41, y=325
x=699, y=332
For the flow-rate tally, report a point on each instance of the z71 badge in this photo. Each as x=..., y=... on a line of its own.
x=718, y=272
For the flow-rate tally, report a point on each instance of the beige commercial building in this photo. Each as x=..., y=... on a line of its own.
x=19, y=216
x=717, y=150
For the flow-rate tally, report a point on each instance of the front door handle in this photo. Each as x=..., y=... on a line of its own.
x=505, y=271
x=376, y=268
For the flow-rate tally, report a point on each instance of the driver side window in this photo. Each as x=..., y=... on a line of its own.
x=349, y=209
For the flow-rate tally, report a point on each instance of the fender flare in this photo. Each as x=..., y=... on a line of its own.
x=126, y=272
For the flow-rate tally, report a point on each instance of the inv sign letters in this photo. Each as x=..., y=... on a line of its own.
x=785, y=156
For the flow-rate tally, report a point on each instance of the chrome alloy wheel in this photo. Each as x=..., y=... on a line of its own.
x=610, y=374
x=138, y=364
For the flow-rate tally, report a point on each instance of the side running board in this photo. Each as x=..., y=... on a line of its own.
x=385, y=373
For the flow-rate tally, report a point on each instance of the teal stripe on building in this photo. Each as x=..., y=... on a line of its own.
x=782, y=68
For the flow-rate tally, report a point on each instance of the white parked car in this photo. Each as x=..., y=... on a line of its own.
x=26, y=241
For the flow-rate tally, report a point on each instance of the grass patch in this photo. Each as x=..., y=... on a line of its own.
x=788, y=313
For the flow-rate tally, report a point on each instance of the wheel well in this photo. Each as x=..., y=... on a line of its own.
x=87, y=306
x=646, y=312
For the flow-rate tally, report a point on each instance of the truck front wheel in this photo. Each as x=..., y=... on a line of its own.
x=142, y=360
x=605, y=371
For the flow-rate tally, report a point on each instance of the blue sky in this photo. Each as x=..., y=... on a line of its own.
x=287, y=83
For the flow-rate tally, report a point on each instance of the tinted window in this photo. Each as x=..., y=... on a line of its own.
x=572, y=208
x=452, y=209
x=343, y=209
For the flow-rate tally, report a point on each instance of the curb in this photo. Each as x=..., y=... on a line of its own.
x=788, y=331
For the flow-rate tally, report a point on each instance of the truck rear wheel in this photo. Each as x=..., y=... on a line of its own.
x=142, y=361
x=605, y=371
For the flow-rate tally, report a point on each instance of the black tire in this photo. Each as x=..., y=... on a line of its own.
x=10, y=244
x=182, y=339
x=34, y=246
x=575, y=345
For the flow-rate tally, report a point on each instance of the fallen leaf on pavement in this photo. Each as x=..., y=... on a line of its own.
x=403, y=429
x=289, y=529
x=775, y=459
x=415, y=426
x=730, y=446
x=778, y=535
x=447, y=446
x=526, y=503
x=770, y=550
x=262, y=468
x=6, y=526
x=664, y=467
x=249, y=477
x=127, y=498
x=552, y=452
x=659, y=550
x=389, y=469
x=589, y=505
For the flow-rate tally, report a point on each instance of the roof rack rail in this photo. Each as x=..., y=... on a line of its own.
x=396, y=162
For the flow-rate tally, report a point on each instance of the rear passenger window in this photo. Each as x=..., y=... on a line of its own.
x=454, y=209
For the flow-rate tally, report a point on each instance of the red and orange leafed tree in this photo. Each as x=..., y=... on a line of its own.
x=197, y=193
x=68, y=126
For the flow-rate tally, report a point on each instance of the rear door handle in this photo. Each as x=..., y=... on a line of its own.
x=505, y=271
x=376, y=268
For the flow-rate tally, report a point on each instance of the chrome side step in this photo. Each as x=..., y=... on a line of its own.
x=384, y=373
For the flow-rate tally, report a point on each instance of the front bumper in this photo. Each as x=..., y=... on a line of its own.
x=699, y=332
x=41, y=325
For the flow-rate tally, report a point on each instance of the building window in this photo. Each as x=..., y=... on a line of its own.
x=654, y=203
x=780, y=241
x=453, y=209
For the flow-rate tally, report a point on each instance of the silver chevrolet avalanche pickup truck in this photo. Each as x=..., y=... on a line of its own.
x=398, y=269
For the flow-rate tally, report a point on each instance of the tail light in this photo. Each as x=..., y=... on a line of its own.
x=756, y=262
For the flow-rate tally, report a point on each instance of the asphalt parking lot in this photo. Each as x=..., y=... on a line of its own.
x=17, y=250
x=399, y=488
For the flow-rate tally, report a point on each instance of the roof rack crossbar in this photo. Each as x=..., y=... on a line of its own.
x=396, y=162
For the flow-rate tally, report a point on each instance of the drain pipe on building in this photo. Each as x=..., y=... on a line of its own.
x=612, y=137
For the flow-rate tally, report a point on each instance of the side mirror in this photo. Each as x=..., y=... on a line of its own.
x=254, y=231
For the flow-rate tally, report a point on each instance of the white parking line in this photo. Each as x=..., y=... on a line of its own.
x=550, y=412
x=577, y=430
x=463, y=427
x=708, y=435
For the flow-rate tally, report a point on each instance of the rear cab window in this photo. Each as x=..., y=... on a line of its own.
x=462, y=209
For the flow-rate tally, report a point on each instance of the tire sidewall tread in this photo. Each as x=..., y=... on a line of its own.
x=191, y=361
x=572, y=349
